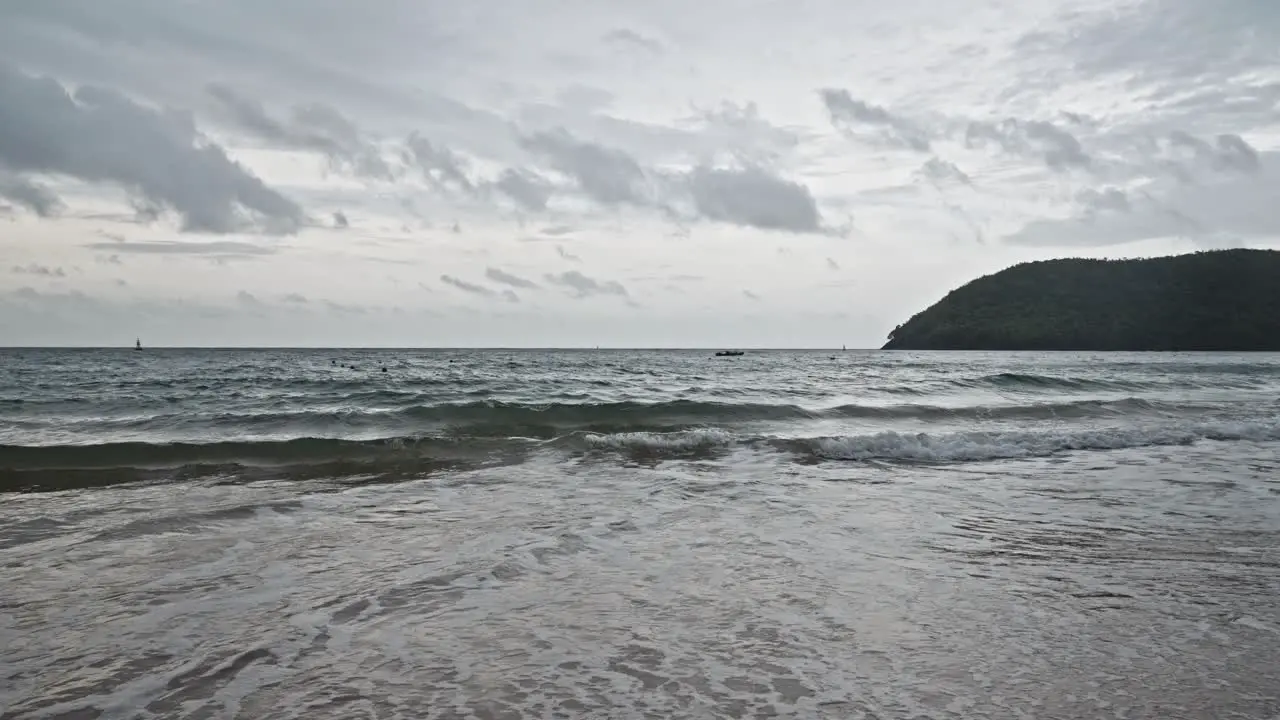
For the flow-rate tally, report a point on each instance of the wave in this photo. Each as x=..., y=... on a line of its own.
x=408, y=453
x=1040, y=383
x=944, y=447
x=1030, y=380
x=549, y=420
x=975, y=446
x=248, y=452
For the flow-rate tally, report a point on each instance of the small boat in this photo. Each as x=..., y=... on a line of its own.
x=729, y=353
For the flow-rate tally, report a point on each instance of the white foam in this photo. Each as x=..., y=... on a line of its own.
x=675, y=441
x=946, y=447
x=971, y=446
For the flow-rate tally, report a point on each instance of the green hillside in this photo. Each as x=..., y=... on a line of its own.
x=1217, y=300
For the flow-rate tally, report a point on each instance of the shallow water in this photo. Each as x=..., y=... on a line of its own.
x=530, y=535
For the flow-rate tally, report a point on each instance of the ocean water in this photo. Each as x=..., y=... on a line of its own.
x=638, y=534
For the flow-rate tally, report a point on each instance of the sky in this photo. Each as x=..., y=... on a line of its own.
x=614, y=173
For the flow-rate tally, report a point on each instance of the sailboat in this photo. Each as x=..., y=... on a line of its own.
x=137, y=345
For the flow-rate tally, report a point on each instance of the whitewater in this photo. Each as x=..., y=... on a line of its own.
x=616, y=533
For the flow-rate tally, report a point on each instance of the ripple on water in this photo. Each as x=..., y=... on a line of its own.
x=1085, y=586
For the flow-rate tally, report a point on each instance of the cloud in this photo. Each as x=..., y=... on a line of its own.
x=249, y=115
x=499, y=276
x=851, y=115
x=754, y=197
x=940, y=170
x=526, y=188
x=739, y=130
x=101, y=136
x=314, y=127
x=1230, y=205
x=1172, y=45
x=1107, y=199
x=581, y=286
x=295, y=298
x=507, y=295
x=439, y=165
x=606, y=175
x=465, y=286
x=1159, y=118
x=750, y=295
x=632, y=39
x=832, y=264
x=1228, y=152
x=340, y=220
x=333, y=125
x=34, y=269
x=1058, y=148
x=36, y=198
x=227, y=248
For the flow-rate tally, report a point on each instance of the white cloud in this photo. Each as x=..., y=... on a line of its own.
x=328, y=167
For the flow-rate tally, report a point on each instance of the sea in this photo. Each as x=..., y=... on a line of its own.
x=520, y=534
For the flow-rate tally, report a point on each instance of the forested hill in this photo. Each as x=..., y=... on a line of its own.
x=1215, y=300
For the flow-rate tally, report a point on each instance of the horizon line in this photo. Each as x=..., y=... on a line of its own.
x=131, y=348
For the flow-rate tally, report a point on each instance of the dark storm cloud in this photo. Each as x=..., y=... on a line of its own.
x=99, y=135
x=753, y=197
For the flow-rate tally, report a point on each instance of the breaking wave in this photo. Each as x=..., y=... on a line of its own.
x=26, y=467
x=549, y=420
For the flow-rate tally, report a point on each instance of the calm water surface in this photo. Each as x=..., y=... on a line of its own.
x=528, y=534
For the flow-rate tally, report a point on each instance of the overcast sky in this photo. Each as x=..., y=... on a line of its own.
x=607, y=172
